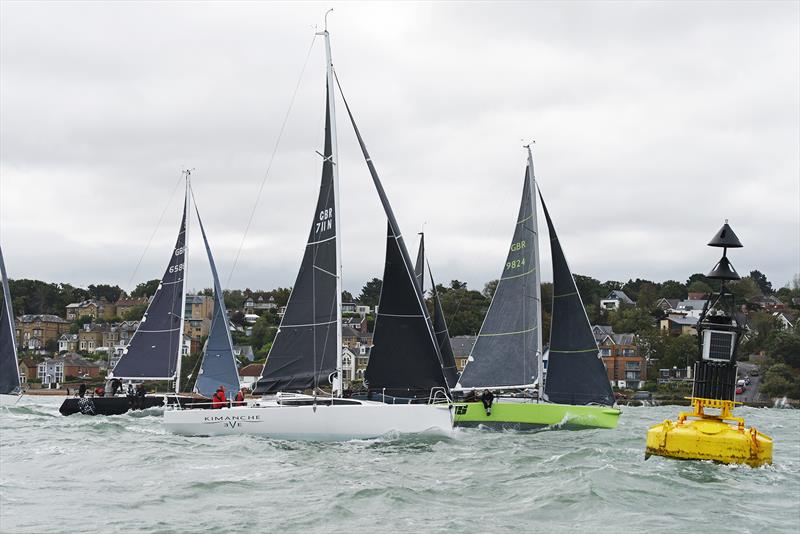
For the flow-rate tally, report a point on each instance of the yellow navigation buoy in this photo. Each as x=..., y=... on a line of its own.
x=700, y=436
x=720, y=437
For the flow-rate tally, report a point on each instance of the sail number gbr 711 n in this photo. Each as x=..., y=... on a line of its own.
x=325, y=221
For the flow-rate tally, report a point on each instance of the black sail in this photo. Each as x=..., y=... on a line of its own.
x=218, y=367
x=504, y=354
x=154, y=347
x=405, y=358
x=304, y=351
x=443, y=337
x=439, y=322
x=575, y=372
x=9, y=367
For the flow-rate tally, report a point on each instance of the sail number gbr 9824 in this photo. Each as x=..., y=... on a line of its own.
x=324, y=221
x=516, y=264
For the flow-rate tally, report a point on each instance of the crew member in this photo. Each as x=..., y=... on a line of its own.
x=116, y=385
x=487, y=398
x=239, y=398
x=140, y=394
x=100, y=391
x=82, y=390
x=219, y=400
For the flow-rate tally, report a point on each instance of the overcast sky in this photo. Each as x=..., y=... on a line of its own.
x=653, y=123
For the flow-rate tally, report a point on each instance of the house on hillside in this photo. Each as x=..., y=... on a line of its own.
x=53, y=371
x=33, y=332
x=68, y=343
x=786, y=319
x=259, y=305
x=667, y=305
x=125, y=305
x=770, y=303
x=249, y=374
x=677, y=325
x=626, y=368
x=244, y=353
x=616, y=300
x=462, y=347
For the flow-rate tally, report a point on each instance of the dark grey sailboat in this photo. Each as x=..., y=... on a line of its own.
x=439, y=322
x=10, y=383
x=507, y=356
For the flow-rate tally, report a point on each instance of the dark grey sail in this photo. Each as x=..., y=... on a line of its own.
x=504, y=354
x=575, y=372
x=405, y=358
x=439, y=322
x=154, y=348
x=218, y=367
x=9, y=366
x=304, y=351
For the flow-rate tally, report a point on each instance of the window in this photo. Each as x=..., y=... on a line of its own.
x=605, y=352
x=629, y=352
x=631, y=375
x=631, y=366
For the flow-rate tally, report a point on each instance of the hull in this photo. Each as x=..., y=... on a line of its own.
x=335, y=422
x=507, y=415
x=116, y=405
x=9, y=400
x=709, y=439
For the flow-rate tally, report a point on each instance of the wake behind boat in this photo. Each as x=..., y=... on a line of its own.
x=508, y=354
x=307, y=350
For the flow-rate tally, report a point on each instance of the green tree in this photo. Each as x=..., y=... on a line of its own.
x=234, y=299
x=744, y=290
x=146, y=289
x=647, y=296
x=347, y=296
x=761, y=281
x=631, y=320
x=263, y=332
x=105, y=291
x=779, y=380
x=714, y=284
x=371, y=293
x=672, y=290
x=698, y=286
x=135, y=313
x=490, y=288
x=784, y=347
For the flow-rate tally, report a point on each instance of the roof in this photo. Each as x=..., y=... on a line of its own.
x=252, y=369
x=624, y=339
x=687, y=305
x=684, y=321
x=620, y=296
x=349, y=332
x=462, y=345
x=44, y=317
x=195, y=299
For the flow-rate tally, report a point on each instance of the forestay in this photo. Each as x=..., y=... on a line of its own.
x=9, y=366
x=218, y=367
x=156, y=345
x=505, y=352
x=575, y=372
x=304, y=351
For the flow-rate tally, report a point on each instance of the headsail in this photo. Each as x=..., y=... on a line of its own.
x=304, y=352
x=504, y=355
x=439, y=322
x=405, y=358
x=9, y=366
x=575, y=372
x=158, y=342
x=219, y=364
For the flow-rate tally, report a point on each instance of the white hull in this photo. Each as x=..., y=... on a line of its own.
x=313, y=423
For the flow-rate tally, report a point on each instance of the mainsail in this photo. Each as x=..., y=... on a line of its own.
x=219, y=364
x=405, y=358
x=304, y=352
x=575, y=372
x=156, y=346
x=505, y=352
x=9, y=366
x=439, y=322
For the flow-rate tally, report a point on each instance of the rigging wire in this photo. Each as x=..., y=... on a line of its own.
x=155, y=230
x=269, y=164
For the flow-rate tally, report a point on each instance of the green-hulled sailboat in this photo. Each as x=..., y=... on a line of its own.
x=507, y=357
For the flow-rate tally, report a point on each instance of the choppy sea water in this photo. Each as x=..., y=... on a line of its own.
x=126, y=474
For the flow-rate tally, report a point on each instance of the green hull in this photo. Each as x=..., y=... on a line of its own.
x=531, y=415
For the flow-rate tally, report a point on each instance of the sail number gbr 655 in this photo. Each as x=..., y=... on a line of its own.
x=324, y=221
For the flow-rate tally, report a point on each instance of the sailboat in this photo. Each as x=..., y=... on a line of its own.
x=439, y=323
x=307, y=351
x=508, y=353
x=10, y=383
x=155, y=350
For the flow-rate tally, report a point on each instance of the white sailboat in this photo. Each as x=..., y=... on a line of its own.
x=307, y=350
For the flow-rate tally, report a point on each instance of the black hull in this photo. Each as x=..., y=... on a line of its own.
x=118, y=405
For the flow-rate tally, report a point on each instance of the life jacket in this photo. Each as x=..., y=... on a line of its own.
x=218, y=400
x=239, y=399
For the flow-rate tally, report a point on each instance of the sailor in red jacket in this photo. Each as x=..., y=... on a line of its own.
x=239, y=401
x=219, y=400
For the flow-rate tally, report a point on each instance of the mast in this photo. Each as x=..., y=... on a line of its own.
x=339, y=384
x=537, y=276
x=186, y=213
